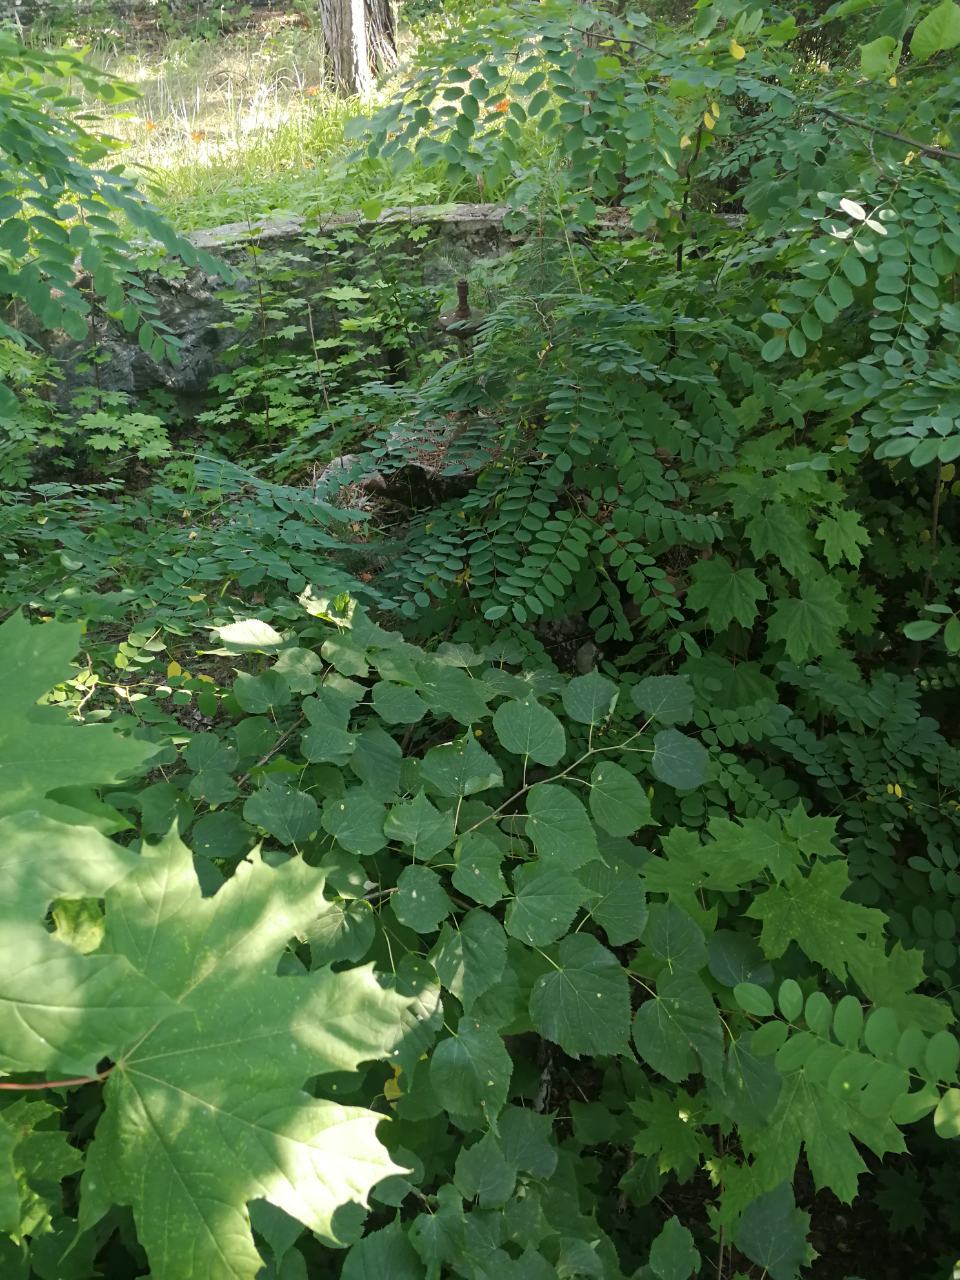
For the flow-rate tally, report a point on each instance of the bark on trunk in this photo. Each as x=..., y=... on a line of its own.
x=360, y=39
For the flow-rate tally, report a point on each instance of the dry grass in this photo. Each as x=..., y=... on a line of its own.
x=236, y=127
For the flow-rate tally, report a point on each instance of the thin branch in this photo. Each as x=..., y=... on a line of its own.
x=939, y=153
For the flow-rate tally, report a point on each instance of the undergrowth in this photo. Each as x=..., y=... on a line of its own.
x=526, y=849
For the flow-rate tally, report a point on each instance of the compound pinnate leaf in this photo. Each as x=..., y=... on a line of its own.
x=583, y=1004
x=679, y=760
x=206, y=1112
x=40, y=749
x=529, y=729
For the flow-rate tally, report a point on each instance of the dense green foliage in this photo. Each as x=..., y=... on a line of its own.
x=380, y=940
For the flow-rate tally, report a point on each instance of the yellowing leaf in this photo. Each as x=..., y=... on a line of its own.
x=684, y=141
x=737, y=50
x=708, y=120
x=174, y=669
x=715, y=109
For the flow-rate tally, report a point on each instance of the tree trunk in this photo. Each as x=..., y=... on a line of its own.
x=360, y=38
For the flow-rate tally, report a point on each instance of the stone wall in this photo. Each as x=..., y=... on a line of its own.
x=457, y=236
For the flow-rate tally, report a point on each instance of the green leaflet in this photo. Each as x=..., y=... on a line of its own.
x=35, y=1157
x=42, y=859
x=675, y=939
x=665, y=1134
x=678, y=1031
x=559, y=827
x=384, y=1252
x=666, y=699
x=939, y=29
x=618, y=801
x=67, y=1010
x=460, y=768
x=198, y=1093
x=618, y=902
x=483, y=1173
x=843, y=537
x=470, y=958
x=398, y=704
x=529, y=729
x=470, y=1071
x=420, y=901
x=584, y=1003
x=545, y=901
x=420, y=826
x=291, y=816
x=356, y=821
x=590, y=699
x=451, y=691
x=477, y=872
x=678, y=760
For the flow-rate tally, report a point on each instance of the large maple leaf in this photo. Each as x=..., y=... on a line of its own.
x=207, y=1111
x=812, y=911
x=63, y=1010
x=40, y=748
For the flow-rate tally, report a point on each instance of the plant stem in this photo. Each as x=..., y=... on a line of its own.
x=58, y=1084
x=939, y=153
